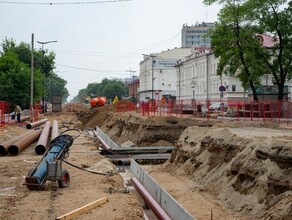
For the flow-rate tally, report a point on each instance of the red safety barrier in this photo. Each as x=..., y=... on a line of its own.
x=37, y=110
x=263, y=110
x=4, y=113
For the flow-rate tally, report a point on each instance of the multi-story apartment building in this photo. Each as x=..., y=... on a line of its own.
x=158, y=73
x=196, y=35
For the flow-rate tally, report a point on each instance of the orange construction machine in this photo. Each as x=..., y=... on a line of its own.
x=98, y=101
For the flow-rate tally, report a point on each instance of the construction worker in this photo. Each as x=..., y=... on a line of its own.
x=17, y=113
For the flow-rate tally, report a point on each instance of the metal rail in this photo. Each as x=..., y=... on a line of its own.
x=163, y=198
x=150, y=201
x=106, y=139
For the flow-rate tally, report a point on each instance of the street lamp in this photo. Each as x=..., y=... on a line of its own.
x=152, y=85
x=43, y=69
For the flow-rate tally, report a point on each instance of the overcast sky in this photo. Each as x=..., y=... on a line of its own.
x=102, y=39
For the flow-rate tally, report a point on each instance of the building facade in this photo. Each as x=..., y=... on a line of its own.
x=158, y=73
x=196, y=35
x=133, y=87
x=197, y=79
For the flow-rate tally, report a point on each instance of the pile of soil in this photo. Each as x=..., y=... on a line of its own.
x=145, y=131
x=75, y=107
x=95, y=116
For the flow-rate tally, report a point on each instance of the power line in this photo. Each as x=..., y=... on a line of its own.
x=62, y=3
x=94, y=70
x=95, y=54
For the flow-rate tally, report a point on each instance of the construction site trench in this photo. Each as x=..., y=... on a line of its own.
x=221, y=170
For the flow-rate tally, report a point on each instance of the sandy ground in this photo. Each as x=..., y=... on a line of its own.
x=17, y=202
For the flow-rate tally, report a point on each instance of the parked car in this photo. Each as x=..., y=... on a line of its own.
x=218, y=106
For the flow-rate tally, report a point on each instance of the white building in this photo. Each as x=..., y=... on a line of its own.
x=197, y=80
x=158, y=73
x=196, y=35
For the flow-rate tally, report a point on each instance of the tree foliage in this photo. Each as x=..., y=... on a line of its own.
x=55, y=86
x=15, y=74
x=235, y=42
x=109, y=88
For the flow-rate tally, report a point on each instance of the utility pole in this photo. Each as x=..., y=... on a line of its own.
x=132, y=72
x=43, y=69
x=31, y=75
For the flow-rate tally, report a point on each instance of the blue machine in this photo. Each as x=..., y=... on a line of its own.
x=50, y=166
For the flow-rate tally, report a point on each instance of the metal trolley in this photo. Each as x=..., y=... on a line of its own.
x=50, y=166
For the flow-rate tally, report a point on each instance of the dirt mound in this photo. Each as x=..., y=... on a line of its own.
x=95, y=116
x=145, y=131
x=75, y=107
x=251, y=175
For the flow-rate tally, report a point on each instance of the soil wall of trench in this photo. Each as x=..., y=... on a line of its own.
x=250, y=175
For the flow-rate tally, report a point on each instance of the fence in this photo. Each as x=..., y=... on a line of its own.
x=4, y=113
x=35, y=112
x=6, y=116
x=265, y=110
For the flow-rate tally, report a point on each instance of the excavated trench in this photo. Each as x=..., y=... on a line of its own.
x=246, y=165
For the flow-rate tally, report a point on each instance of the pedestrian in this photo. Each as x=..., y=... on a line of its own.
x=17, y=113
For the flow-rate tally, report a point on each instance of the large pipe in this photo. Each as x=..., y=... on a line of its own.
x=35, y=124
x=24, y=118
x=150, y=201
x=4, y=146
x=55, y=130
x=43, y=140
x=20, y=145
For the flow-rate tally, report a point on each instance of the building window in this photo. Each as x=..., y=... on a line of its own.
x=233, y=88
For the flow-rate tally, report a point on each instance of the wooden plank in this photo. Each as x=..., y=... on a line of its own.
x=83, y=209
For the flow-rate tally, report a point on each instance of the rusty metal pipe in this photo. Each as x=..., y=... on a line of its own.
x=104, y=145
x=4, y=146
x=121, y=162
x=36, y=124
x=150, y=201
x=20, y=145
x=24, y=118
x=55, y=130
x=43, y=140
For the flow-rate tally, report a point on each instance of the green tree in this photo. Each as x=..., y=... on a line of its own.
x=109, y=88
x=235, y=41
x=15, y=73
x=275, y=18
x=15, y=81
x=55, y=86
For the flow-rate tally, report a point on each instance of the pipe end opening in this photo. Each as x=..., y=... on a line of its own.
x=40, y=149
x=13, y=150
x=2, y=150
